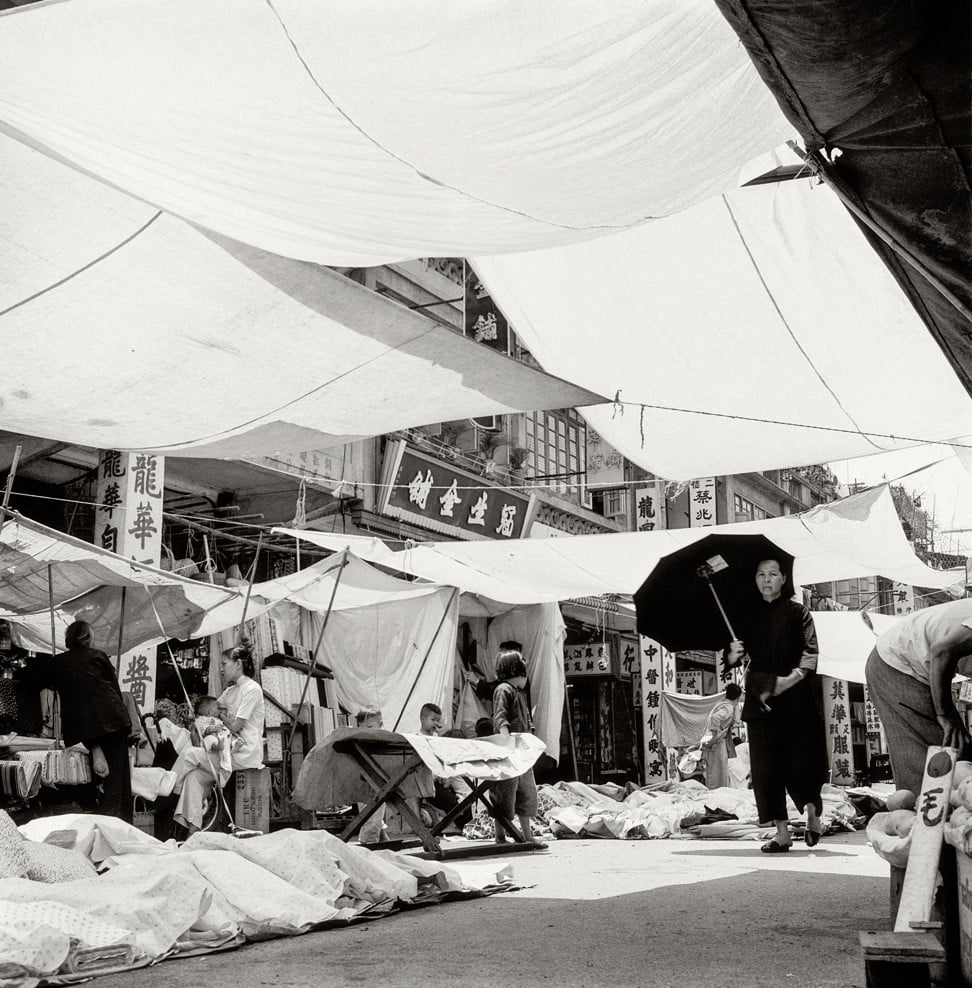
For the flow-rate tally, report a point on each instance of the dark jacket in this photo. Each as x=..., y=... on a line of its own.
x=511, y=710
x=92, y=705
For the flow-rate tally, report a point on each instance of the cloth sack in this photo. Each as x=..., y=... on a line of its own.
x=20, y=779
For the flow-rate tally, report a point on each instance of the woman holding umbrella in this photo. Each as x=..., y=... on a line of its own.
x=787, y=743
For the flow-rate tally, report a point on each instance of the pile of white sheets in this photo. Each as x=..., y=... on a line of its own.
x=154, y=900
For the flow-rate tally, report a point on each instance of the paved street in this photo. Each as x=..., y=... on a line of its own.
x=662, y=913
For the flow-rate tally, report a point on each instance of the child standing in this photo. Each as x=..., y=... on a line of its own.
x=511, y=714
x=373, y=830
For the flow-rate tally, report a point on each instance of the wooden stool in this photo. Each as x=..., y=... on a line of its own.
x=892, y=960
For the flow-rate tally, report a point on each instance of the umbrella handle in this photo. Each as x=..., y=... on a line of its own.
x=722, y=610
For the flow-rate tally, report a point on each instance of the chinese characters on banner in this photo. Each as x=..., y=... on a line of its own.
x=628, y=658
x=482, y=319
x=128, y=520
x=873, y=727
x=702, y=507
x=650, y=510
x=657, y=676
x=837, y=717
x=725, y=676
x=903, y=597
x=594, y=659
x=689, y=683
x=435, y=495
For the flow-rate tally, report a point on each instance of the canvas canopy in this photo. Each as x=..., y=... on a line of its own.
x=880, y=95
x=366, y=133
x=203, y=366
x=857, y=536
x=845, y=640
x=755, y=330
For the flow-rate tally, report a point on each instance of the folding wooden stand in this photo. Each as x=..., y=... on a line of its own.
x=387, y=789
x=902, y=957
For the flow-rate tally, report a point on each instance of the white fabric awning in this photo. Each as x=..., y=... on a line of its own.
x=87, y=585
x=858, y=536
x=758, y=330
x=369, y=132
x=129, y=329
x=845, y=641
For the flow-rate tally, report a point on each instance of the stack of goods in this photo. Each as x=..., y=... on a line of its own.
x=60, y=766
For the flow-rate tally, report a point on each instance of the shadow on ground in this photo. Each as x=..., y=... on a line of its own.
x=760, y=930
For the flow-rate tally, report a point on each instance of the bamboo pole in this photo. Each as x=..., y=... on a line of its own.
x=428, y=652
x=320, y=638
x=9, y=487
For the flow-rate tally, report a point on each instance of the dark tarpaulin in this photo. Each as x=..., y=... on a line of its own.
x=888, y=83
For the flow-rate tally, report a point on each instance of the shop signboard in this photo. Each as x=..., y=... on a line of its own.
x=593, y=659
x=628, y=657
x=702, y=502
x=837, y=718
x=128, y=520
x=483, y=320
x=427, y=492
x=903, y=598
x=657, y=671
x=651, y=513
x=318, y=468
x=725, y=676
x=689, y=682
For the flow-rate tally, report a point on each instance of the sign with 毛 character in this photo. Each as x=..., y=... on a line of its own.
x=128, y=520
x=425, y=491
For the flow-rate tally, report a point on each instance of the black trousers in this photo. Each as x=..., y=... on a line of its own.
x=117, y=785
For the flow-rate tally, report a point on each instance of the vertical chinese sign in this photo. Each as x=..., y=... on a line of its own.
x=725, y=676
x=128, y=520
x=483, y=320
x=650, y=510
x=873, y=728
x=903, y=598
x=702, y=506
x=657, y=676
x=837, y=717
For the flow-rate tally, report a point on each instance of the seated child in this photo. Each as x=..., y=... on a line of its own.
x=484, y=727
x=373, y=830
x=198, y=767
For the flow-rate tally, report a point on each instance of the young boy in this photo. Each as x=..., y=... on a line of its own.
x=430, y=720
x=511, y=714
x=373, y=830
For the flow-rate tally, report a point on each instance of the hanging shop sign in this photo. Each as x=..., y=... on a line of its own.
x=425, y=491
x=903, y=597
x=627, y=658
x=650, y=511
x=128, y=520
x=593, y=659
x=482, y=319
x=689, y=683
x=837, y=718
x=318, y=468
x=657, y=670
x=702, y=506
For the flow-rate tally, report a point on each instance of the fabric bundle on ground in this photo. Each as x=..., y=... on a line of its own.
x=156, y=900
x=573, y=809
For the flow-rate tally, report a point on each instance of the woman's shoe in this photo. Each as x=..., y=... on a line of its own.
x=812, y=837
x=771, y=847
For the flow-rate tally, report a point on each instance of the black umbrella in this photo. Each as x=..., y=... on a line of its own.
x=698, y=596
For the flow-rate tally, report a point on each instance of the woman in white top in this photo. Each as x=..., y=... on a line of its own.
x=242, y=709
